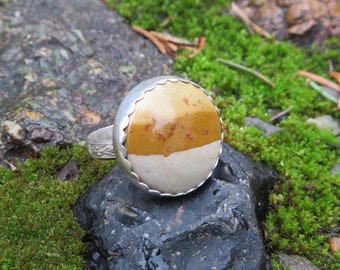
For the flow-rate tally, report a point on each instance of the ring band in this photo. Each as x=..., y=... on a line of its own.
x=167, y=136
x=100, y=144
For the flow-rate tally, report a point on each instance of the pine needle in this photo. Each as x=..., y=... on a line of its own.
x=249, y=70
x=319, y=89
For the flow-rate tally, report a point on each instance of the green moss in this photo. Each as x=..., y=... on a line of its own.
x=38, y=230
x=305, y=207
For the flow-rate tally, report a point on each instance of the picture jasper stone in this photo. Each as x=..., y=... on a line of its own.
x=174, y=137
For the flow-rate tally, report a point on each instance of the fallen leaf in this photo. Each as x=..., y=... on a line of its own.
x=68, y=172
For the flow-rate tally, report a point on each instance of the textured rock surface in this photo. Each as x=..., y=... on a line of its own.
x=295, y=262
x=266, y=128
x=326, y=122
x=64, y=68
x=214, y=227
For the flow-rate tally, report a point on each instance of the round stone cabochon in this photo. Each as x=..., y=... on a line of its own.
x=173, y=139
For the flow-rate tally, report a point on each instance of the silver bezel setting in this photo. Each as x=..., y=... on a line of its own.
x=122, y=119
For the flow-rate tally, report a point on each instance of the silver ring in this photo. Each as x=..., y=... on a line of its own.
x=167, y=136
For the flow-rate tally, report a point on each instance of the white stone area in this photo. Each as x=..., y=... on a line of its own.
x=179, y=172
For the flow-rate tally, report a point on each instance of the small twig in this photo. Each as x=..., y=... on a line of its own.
x=171, y=49
x=169, y=44
x=188, y=48
x=248, y=22
x=335, y=75
x=200, y=46
x=330, y=66
x=255, y=73
x=151, y=37
x=280, y=114
x=319, y=79
x=201, y=43
x=170, y=38
x=166, y=21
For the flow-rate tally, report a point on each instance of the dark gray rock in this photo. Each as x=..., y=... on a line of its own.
x=64, y=68
x=214, y=227
x=267, y=129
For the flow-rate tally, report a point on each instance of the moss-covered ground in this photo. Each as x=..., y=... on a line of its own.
x=305, y=205
x=38, y=230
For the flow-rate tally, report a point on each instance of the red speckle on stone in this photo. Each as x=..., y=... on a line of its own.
x=161, y=137
x=188, y=136
x=171, y=134
x=147, y=127
x=205, y=132
x=186, y=101
x=173, y=127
